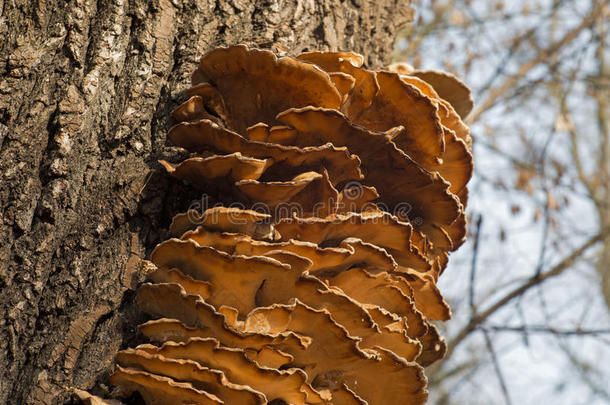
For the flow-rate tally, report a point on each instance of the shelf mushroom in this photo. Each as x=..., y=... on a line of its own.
x=362, y=180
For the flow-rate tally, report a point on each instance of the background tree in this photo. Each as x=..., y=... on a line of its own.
x=530, y=323
x=85, y=93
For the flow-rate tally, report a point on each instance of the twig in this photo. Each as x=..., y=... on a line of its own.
x=473, y=266
x=497, y=368
x=526, y=340
x=547, y=329
x=436, y=378
x=555, y=271
x=544, y=54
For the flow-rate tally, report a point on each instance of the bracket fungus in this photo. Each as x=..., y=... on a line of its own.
x=320, y=286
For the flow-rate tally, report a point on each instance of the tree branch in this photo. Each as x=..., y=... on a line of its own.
x=543, y=55
x=497, y=368
x=558, y=269
x=547, y=329
x=473, y=267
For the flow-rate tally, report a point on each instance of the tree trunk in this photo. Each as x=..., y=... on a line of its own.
x=86, y=88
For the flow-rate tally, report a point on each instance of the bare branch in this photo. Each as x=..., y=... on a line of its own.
x=473, y=267
x=574, y=140
x=543, y=55
x=547, y=329
x=555, y=271
x=497, y=368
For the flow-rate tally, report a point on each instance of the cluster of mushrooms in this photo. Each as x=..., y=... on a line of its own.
x=320, y=285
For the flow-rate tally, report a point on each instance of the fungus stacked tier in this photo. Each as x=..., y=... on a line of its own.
x=321, y=288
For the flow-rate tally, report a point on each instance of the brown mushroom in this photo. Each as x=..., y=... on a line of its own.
x=193, y=110
x=449, y=88
x=259, y=282
x=343, y=82
x=275, y=384
x=376, y=103
x=160, y=390
x=343, y=395
x=362, y=176
x=394, y=175
x=288, y=161
x=456, y=165
x=212, y=101
x=350, y=251
x=378, y=228
x=273, y=193
x=264, y=133
x=309, y=193
x=424, y=293
x=448, y=116
x=423, y=138
x=234, y=279
x=256, y=85
x=201, y=378
x=202, y=171
x=166, y=329
x=268, y=357
x=248, y=222
x=381, y=291
x=346, y=311
x=445, y=84
x=331, y=61
x=190, y=285
x=384, y=89
x=346, y=363
x=201, y=319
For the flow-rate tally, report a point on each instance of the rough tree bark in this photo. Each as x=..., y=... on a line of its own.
x=86, y=88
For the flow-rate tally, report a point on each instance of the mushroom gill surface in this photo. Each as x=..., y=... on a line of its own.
x=314, y=282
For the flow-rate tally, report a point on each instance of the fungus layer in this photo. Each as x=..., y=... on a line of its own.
x=319, y=287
